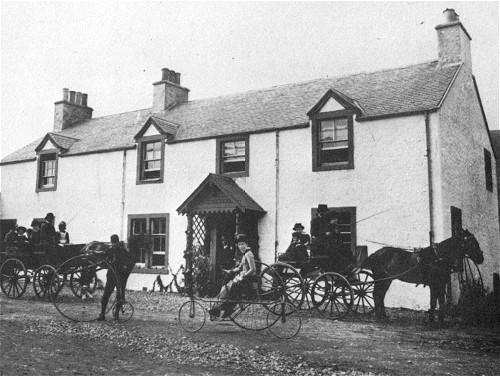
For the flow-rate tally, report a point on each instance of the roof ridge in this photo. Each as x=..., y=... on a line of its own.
x=428, y=62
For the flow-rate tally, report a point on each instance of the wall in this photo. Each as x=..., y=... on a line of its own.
x=461, y=139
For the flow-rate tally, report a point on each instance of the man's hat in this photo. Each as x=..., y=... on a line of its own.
x=239, y=238
x=322, y=208
x=298, y=227
x=21, y=228
x=114, y=238
x=49, y=216
x=62, y=224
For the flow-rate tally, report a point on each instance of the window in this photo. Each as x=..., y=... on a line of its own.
x=150, y=163
x=488, y=170
x=47, y=171
x=155, y=225
x=332, y=134
x=232, y=156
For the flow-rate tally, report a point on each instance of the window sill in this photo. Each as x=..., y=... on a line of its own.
x=46, y=189
x=152, y=181
x=143, y=270
x=337, y=166
x=235, y=174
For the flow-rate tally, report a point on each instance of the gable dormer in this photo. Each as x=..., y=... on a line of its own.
x=151, y=149
x=332, y=131
x=48, y=151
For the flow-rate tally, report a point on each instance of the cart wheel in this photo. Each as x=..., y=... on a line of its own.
x=123, y=311
x=14, y=278
x=295, y=288
x=192, y=316
x=332, y=296
x=270, y=287
x=251, y=316
x=46, y=281
x=283, y=320
x=363, y=293
x=85, y=305
x=82, y=281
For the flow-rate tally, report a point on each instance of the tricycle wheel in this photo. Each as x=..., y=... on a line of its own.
x=270, y=287
x=192, y=316
x=250, y=316
x=363, y=293
x=283, y=320
x=123, y=311
x=45, y=281
x=14, y=278
x=332, y=296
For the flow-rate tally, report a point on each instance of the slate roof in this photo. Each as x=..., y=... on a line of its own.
x=63, y=142
x=391, y=92
x=230, y=189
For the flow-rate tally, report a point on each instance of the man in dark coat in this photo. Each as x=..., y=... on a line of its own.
x=48, y=232
x=321, y=230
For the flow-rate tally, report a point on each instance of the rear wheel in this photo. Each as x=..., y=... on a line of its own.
x=250, y=316
x=123, y=311
x=284, y=320
x=332, y=296
x=363, y=293
x=294, y=286
x=192, y=316
x=270, y=287
x=14, y=278
x=83, y=281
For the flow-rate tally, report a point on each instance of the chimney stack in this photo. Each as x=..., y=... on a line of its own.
x=168, y=91
x=453, y=41
x=71, y=109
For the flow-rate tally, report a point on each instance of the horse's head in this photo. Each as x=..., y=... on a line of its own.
x=470, y=246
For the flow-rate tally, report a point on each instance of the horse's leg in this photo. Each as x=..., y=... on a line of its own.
x=379, y=290
x=441, y=296
x=433, y=301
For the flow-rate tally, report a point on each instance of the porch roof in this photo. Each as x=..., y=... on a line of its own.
x=218, y=194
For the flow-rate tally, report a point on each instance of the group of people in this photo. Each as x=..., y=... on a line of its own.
x=40, y=234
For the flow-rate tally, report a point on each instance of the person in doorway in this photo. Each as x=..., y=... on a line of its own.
x=321, y=231
x=240, y=283
x=62, y=235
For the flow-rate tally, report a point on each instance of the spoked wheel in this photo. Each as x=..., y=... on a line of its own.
x=270, y=287
x=251, y=316
x=294, y=287
x=83, y=282
x=123, y=311
x=470, y=276
x=14, y=278
x=283, y=320
x=192, y=316
x=83, y=305
x=363, y=293
x=332, y=296
x=46, y=282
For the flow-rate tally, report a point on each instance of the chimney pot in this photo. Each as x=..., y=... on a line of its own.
x=65, y=94
x=79, y=98
x=165, y=72
x=171, y=77
x=84, y=99
x=72, y=96
x=178, y=78
x=450, y=15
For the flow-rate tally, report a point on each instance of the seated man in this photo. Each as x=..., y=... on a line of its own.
x=296, y=251
x=240, y=283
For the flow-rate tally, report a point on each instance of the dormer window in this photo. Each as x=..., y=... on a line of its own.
x=151, y=155
x=334, y=141
x=47, y=171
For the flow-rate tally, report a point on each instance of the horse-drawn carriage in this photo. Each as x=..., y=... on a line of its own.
x=24, y=263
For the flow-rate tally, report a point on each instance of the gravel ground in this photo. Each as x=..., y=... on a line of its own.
x=152, y=343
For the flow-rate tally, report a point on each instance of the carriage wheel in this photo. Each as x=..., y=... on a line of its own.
x=470, y=276
x=283, y=320
x=295, y=288
x=250, y=316
x=270, y=287
x=123, y=311
x=363, y=293
x=14, y=278
x=332, y=296
x=85, y=306
x=192, y=316
x=45, y=281
x=82, y=281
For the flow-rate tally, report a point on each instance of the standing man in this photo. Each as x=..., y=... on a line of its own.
x=48, y=232
x=321, y=231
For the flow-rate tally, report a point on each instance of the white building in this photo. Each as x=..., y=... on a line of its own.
x=401, y=155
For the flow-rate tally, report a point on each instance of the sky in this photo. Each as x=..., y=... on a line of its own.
x=114, y=51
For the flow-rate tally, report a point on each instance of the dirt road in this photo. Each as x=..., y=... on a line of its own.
x=36, y=340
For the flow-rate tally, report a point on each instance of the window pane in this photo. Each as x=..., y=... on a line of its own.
x=326, y=132
x=341, y=129
x=234, y=156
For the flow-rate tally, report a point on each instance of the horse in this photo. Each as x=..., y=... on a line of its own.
x=429, y=266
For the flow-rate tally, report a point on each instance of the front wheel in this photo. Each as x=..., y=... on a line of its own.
x=14, y=278
x=46, y=282
x=332, y=296
x=283, y=320
x=192, y=316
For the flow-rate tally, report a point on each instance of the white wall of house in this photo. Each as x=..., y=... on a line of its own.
x=462, y=138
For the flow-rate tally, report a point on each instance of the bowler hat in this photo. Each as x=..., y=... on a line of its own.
x=298, y=227
x=49, y=216
x=322, y=208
